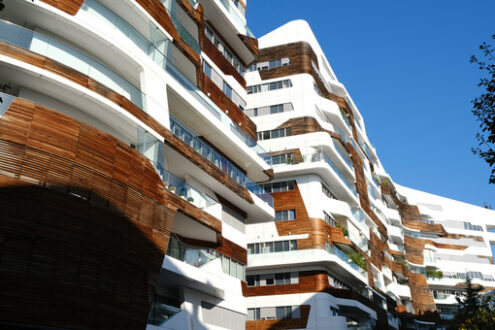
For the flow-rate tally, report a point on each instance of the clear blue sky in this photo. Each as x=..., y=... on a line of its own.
x=406, y=65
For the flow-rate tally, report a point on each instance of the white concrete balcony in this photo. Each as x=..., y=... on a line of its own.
x=310, y=257
x=396, y=233
x=229, y=22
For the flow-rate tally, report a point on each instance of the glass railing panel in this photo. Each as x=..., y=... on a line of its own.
x=186, y=191
x=45, y=46
x=237, y=18
x=48, y=47
x=184, y=34
x=160, y=313
x=345, y=158
x=339, y=173
x=218, y=160
x=191, y=255
x=160, y=50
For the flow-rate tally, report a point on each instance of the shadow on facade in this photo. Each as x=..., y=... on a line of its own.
x=70, y=259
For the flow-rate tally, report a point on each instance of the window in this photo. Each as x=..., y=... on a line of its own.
x=270, y=64
x=282, y=278
x=229, y=56
x=270, y=109
x=275, y=63
x=207, y=69
x=227, y=90
x=469, y=226
x=279, y=186
x=233, y=268
x=268, y=247
x=273, y=279
x=284, y=312
x=282, y=159
x=274, y=134
x=329, y=219
x=276, y=108
x=285, y=215
x=254, y=314
x=269, y=86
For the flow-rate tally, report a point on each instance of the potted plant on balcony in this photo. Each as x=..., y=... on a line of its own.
x=298, y=159
x=358, y=259
x=190, y=199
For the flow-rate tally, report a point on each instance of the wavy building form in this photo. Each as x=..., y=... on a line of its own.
x=162, y=168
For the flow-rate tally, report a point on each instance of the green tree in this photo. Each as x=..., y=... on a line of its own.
x=474, y=310
x=484, y=107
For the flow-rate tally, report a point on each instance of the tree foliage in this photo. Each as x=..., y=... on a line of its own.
x=484, y=107
x=474, y=310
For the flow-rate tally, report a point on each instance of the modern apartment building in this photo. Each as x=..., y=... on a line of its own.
x=349, y=248
x=161, y=168
x=128, y=168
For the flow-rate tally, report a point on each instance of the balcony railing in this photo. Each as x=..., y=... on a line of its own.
x=237, y=18
x=345, y=158
x=159, y=51
x=321, y=157
x=186, y=191
x=184, y=34
x=160, y=313
x=35, y=42
x=344, y=257
x=218, y=160
x=191, y=255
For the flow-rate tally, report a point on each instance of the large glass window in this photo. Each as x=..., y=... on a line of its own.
x=285, y=215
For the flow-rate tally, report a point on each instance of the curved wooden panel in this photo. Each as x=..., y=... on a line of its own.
x=84, y=222
x=71, y=7
x=170, y=139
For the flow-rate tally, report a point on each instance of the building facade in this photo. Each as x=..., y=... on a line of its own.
x=160, y=167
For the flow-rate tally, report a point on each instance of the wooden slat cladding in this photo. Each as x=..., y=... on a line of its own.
x=170, y=139
x=422, y=299
x=197, y=14
x=84, y=220
x=300, y=54
x=250, y=43
x=299, y=323
x=319, y=231
x=309, y=281
x=229, y=107
x=71, y=7
x=43, y=129
x=304, y=125
x=313, y=282
x=220, y=60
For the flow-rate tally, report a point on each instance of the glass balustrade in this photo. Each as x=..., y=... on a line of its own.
x=160, y=313
x=332, y=249
x=191, y=255
x=35, y=42
x=160, y=50
x=218, y=160
x=184, y=34
x=322, y=157
x=186, y=191
x=229, y=5
x=345, y=158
